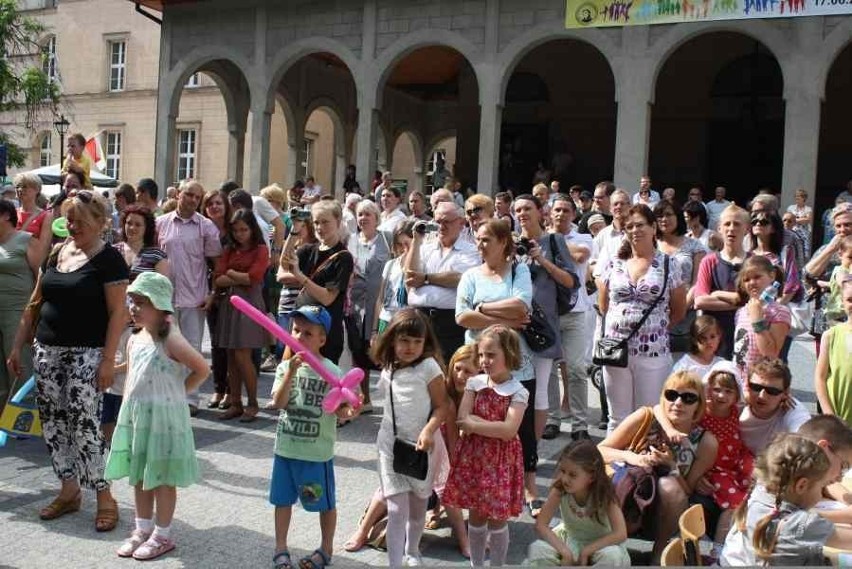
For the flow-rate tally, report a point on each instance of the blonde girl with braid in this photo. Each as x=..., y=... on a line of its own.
x=776, y=526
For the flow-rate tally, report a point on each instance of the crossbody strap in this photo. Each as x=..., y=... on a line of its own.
x=654, y=304
x=393, y=412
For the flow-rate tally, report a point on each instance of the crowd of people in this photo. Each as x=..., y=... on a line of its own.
x=476, y=312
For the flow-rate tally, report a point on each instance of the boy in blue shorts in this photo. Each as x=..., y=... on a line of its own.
x=303, y=467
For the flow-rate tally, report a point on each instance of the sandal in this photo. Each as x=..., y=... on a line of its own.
x=249, y=415
x=355, y=543
x=534, y=506
x=232, y=413
x=154, y=547
x=132, y=543
x=214, y=402
x=281, y=560
x=310, y=561
x=59, y=508
x=107, y=518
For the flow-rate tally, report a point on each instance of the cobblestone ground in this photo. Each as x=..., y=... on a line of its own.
x=226, y=521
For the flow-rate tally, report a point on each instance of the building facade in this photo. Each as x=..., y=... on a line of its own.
x=740, y=103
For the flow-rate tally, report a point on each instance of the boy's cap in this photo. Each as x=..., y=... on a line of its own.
x=156, y=288
x=315, y=315
x=595, y=218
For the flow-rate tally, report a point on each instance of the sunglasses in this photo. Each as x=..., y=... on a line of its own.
x=759, y=221
x=474, y=211
x=687, y=397
x=84, y=196
x=756, y=388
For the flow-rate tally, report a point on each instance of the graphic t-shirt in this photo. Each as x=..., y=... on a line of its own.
x=305, y=431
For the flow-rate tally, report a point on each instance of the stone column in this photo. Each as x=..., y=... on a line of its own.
x=490, y=123
x=167, y=109
x=365, y=136
x=261, y=119
x=236, y=151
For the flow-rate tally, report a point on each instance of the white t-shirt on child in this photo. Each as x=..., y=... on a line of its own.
x=689, y=363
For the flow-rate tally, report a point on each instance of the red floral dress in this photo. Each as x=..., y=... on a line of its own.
x=487, y=475
x=731, y=473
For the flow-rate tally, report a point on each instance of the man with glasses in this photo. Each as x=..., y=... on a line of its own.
x=190, y=240
x=770, y=408
x=610, y=238
x=600, y=205
x=432, y=273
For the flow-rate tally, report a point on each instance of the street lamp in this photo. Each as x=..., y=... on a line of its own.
x=61, y=127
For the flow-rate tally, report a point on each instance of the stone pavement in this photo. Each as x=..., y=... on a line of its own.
x=226, y=521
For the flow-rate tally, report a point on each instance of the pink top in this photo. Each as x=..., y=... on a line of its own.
x=745, y=340
x=34, y=226
x=188, y=242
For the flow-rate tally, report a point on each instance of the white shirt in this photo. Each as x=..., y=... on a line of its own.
x=653, y=199
x=433, y=259
x=714, y=212
x=757, y=433
x=607, y=242
x=265, y=215
x=349, y=221
x=390, y=222
x=585, y=240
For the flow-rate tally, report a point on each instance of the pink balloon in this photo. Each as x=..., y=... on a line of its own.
x=341, y=388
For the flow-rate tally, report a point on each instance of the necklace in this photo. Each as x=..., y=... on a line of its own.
x=581, y=512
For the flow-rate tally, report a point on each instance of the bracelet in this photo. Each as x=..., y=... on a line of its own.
x=304, y=280
x=759, y=326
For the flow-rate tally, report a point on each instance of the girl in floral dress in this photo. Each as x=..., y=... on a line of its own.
x=487, y=475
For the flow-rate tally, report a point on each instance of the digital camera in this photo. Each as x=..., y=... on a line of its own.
x=299, y=214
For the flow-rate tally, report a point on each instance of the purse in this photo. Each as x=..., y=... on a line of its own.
x=612, y=351
x=566, y=298
x=635, y=486
x=538, y=333
x=407, y=459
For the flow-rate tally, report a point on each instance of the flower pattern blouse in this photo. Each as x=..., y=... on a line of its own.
x=628, y=301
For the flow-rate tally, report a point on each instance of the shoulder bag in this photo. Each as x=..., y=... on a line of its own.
x=635, y=486
x=612, y=351
x=538, y=333
x=566, y=298
x=407, y=459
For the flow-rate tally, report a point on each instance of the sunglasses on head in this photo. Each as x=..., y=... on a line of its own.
x=84, y=196
x=756, y=388
x=759, y=221
x=474, y=211
x=687, y=397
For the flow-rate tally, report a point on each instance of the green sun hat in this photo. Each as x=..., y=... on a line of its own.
x=156, y=288
x=60, y=227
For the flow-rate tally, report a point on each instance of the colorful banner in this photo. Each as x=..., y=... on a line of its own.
x=604, y=13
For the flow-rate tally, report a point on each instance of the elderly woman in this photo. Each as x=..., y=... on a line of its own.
x=31, y=218
x=81, y=293
x=477, y=210
x=392, y=215
x=551, y=266
x=139, y=242
x=19, y=261
x=688, y=252
x=639, y=280
x=370, y=250
x=677, y=465
x=498, y=292
x=323, y=270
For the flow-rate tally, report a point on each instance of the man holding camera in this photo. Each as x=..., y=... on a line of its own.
x=433, y=270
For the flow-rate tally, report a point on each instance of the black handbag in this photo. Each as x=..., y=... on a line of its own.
x=566, y=298
x=613, y=352
x=407, y=459
x=538, y=333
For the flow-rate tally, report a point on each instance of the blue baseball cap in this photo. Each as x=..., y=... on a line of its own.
x=314, y=314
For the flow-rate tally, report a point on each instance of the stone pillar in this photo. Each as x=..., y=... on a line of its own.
x=365, y=136
x=261, y=119
x=167, y=109
x=236, y=151
x=490, y=123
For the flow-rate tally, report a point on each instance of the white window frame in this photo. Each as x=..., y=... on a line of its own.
x=49, y=61
x=307, y=166
x=117, y=76
x=112, y=154
x=187, y=153
x=45, y=155
x=193, y=81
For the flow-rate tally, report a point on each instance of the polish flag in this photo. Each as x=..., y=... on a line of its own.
x=96, y=151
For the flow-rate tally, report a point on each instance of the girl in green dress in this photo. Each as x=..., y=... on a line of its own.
x=153, y=444
x=593, y=530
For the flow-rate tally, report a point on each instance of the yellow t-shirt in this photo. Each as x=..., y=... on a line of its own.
x=86, y=164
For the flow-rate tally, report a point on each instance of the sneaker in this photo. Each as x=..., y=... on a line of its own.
x=269, y=364
x=550, y=432
x=154, y=547
x=132, y=543
x=412, y=561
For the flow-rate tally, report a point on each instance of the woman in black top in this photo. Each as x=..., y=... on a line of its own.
x=81, y=293
x=323, y=270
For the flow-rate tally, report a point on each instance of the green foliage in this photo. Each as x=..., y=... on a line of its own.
x=25, y=88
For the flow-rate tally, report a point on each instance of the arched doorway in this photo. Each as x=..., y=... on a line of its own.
x=407, y=160
x=718, y=117
x=561, y=122
x=835, y=142
x=433, y=90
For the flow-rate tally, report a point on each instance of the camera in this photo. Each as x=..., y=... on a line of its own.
x=424, y=227
x=300, y=214
x=522, y=245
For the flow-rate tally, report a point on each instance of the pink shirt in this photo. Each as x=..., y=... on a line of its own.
x=188, y=242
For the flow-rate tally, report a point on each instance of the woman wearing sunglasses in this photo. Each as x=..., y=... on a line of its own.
x=767, y=240
x=676, y=465
x=477, y=210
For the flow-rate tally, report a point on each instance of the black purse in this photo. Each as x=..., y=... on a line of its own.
x=566, y=298
x=613, y=352
x=407, y=460
x=538, y=333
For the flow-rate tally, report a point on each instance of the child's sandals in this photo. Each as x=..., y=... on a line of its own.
x=281, y=560
x=316, y=560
